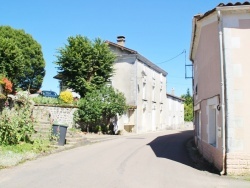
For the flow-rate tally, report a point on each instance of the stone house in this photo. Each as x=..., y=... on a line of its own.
x=221, y=63
x=175, y=112
x=144, y=86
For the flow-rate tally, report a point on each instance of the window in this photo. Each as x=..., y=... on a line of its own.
x=153, y=74
x=197, y=123
x=161, y=96
x=144, y=91
x=212, y=126
x=153, y=93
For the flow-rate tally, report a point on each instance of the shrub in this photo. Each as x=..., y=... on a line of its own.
x=66, y=96
x=17, y=125
x=99, y=106
x=46, y=100
x=6, y=84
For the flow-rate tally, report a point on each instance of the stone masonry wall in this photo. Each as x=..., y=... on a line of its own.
x=59, y=114
x=238, y=163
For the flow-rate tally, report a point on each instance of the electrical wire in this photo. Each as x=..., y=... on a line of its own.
x=184, y=51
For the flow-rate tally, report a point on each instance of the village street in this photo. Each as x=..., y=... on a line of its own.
x=151, y=160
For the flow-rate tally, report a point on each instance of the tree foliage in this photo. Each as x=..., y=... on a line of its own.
x=188, y=106
x=21, y=59
x=99, y=106
x=85, y=65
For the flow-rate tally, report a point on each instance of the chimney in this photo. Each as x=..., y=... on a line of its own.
x=121, y=40
x=172, y=91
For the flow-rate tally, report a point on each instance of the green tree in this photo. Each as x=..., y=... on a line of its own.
x=188, y=106
x=21, y=59
x=99, y=106
x=85, y=65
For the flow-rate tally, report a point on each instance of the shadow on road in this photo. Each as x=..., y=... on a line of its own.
x=174, y=147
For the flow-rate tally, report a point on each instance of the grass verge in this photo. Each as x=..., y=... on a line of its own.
x=16, y=154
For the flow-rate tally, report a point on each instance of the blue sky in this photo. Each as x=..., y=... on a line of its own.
x=159, y=30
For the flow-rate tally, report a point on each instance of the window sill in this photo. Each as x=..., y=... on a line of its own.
x=213, y=144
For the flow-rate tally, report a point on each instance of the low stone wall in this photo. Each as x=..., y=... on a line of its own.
x=60, y=114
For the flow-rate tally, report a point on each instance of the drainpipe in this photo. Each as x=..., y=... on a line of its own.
x=136, y=69
x=222, y=74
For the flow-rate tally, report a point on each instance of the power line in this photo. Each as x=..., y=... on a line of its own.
x=184, y=51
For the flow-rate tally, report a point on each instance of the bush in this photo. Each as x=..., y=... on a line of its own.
x=99, y=106
x=46, y=100
x=17, y=125
x=66, y=96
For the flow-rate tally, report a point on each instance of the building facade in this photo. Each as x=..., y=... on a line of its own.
x=175, y=112
x=221, y=63
x=144, y=86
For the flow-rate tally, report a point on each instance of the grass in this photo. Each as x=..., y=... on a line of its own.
x=16, y=154
x=245, y=177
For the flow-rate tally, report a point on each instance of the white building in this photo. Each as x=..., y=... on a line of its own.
x=144, y=86
x=175, y=112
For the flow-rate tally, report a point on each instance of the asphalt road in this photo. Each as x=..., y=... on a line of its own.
x=156, y=160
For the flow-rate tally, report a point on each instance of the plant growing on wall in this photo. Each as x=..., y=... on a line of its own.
x=85, y=65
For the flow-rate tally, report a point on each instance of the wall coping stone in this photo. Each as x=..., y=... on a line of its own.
x=55, y=105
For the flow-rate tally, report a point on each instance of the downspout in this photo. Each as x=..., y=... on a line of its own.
x=222, y=74
x=136, y=87
x=191, y=59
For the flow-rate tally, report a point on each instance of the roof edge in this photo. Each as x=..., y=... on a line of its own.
x=175, y=97
x=121, y=47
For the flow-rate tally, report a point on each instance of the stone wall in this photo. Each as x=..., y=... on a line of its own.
x=60, y=114
x=238, y=163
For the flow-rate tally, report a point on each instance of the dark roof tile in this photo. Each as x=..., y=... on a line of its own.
x=223, y=5
x=140, y=57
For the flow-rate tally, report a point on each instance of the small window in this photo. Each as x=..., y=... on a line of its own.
x=197, y=123
x=212, y=126
x=144, y=91
x=153, y=93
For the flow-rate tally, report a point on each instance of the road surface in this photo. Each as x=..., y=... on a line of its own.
x=155, y=160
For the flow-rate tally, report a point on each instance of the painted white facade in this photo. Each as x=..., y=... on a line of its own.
x=175, y=112
x=144, y=86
